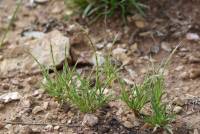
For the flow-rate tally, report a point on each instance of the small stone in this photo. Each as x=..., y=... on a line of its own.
x=37, y=109
x=50, y=116
x=45, y=105
x=1, y=125
x=140, y=23
x=179, y=68
x=26, y=103
x=41, y=1
x=8, y=126
x=90, y=120
x=56, y=128
x=33, y=34
x=128, y=124
x=8, y=97
x=56, y=10
x=166, y=47
x=100, y=59
x=5, y=86
x=196, y=131
x=118, y=51
x=178, y=101
x=32, y=80
x=194, y=73
x=193, y=59
x=177, y=109
x=192, y=36
x=25, y=130
x=48, y=128
x=184, y=75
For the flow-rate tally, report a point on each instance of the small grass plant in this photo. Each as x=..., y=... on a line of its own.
x=160, y=117
x=71, y=87
x=97, y=8
x=151, y=91
x=136, y=97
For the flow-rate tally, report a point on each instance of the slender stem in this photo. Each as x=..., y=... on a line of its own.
x=10, y=22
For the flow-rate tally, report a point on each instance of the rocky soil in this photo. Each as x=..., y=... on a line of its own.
x=25, y=108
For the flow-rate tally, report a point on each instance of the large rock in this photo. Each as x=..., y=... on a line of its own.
x=17, y=58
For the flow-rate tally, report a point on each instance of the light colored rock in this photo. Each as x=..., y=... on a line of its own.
x=140, y=24
x=118, y=51
x=25, y=130
x=166, y=47
x=90, y=120
x=179, y=68
x=56, y=128
x=45, y=105
x=196, y=131
x=26, y=103
x=128, y=124
x=48, y=128
x=37, y=109
x=192, y=36
x=177, y=109
x=178, y=101
x=184, y=75
x=99, y=57
x=41, y=1
x=120, y=54
x=8, y=97
x=34, y=34
x=21, y=61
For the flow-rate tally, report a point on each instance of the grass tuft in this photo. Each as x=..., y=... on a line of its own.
x=97, y=8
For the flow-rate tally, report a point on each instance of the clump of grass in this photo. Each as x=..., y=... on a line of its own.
x=136, y=97
x=88, y=97
x=97, y=8
x=151, y=91
x=71, y=87
x=160, y=117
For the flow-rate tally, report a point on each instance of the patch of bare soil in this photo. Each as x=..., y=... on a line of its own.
x=141, y=41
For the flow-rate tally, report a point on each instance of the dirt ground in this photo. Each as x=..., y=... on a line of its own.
x=141, y=41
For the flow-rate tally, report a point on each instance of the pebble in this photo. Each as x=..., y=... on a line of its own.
x=166, y=47
x=90, y=120
x=5, y=86
x=196, y=131
x=194, y=73
x=178, y=101
x=32, y=80
x=26, y=103
x=177, y=109
x=41, y=1
x=1, y=125
x=37, y=109
x=56, y=128
x=45, y=105
x=128, y=124
x=140, y=24
x=192, y=36
x=25, y=130
x=184, y=75
x=193, y=59
x=8, y=126
x=100, y=59
x=8, y=97
x=179, y=68
x=48, y=128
